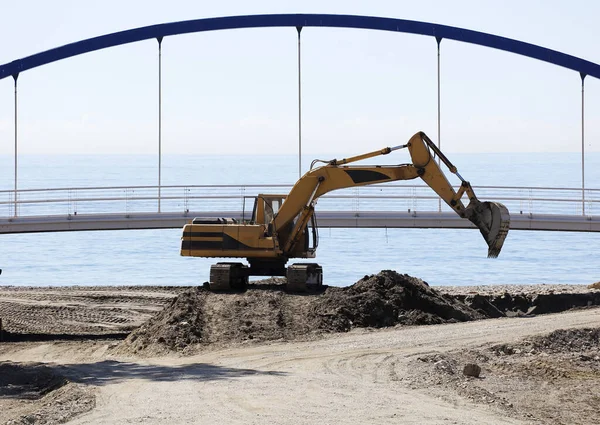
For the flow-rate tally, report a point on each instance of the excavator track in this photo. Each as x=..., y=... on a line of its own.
x=228, y=277
x=304, y=276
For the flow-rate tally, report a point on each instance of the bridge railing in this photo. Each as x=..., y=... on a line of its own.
x=199, y=198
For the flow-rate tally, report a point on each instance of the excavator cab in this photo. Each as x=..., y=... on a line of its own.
x=300, y=276
x=264, y=212
x=265, y=209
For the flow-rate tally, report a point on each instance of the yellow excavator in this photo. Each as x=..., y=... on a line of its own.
x=284, y=226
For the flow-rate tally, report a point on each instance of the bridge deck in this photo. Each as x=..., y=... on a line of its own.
x=332, y=219
x=378, y=206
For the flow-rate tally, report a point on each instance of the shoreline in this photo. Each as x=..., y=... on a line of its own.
x=44, y=312
x=458, y=289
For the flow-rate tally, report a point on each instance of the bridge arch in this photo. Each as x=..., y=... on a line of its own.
x=299, y=21
x=160, y=31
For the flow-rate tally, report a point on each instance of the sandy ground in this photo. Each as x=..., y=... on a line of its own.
x=117, y=310
x=409, y=375
x=81, y=310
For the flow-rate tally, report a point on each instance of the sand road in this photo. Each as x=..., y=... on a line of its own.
x=358, y=377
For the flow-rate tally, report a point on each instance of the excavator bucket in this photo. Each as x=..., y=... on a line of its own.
x=493, y=221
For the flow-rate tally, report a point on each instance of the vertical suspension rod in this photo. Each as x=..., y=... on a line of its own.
x=582, y=144
x=439, y=40
x=299, y=29
x=159, y=39
x=16, y=76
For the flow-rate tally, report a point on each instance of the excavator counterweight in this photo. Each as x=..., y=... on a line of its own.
x=284, y=226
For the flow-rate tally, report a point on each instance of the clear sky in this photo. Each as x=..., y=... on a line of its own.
x=236, y=91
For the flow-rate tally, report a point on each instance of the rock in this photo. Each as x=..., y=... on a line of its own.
x=471, y=369
x=444, y=366
x=594, y=286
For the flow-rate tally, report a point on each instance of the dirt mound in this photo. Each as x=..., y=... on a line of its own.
x=566, y=340
x=179, y=325
x=586, y=340
x=527, y=304
x=388, y=299
x=27, y=381
x=265, y=312
x=35, y=393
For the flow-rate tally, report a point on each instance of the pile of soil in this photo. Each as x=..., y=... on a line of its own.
x=569, y=340
x=527, y=304
x=179, y=325
x=35, y=393
x=265, y=312
x=388, y=299
x=27, y=381
x=585, y=340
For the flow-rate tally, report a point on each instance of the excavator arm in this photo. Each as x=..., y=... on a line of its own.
x=492, y=219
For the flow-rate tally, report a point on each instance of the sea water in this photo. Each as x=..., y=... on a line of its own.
x=151, y=257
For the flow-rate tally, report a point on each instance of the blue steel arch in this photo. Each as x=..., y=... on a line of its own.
x=582, y=66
